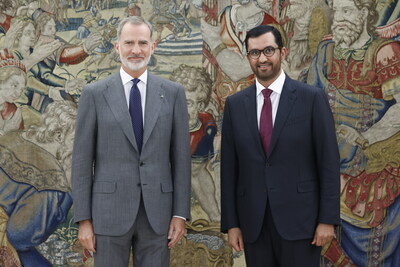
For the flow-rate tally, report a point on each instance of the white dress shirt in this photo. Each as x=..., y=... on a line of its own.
x=127, y=82
x=276, y=88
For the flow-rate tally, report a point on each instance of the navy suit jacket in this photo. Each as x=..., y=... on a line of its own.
x=299, y=177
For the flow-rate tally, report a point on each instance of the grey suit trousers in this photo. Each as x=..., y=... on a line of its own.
x=149, y=249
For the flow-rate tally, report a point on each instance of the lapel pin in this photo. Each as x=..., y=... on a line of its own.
x=161, y=96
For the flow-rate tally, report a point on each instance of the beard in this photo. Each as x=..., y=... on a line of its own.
x=347, y=32
x=266, y=75
x=133, y=66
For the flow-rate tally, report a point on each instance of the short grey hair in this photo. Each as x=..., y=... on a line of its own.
x=135, y=20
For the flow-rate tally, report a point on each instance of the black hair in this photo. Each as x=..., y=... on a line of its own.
x=260, y=30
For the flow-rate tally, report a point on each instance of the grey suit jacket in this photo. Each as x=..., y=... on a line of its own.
x=108, y=173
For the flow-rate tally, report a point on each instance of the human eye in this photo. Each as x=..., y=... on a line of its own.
x=348, y=10
x=254, y=53
x=269, y=50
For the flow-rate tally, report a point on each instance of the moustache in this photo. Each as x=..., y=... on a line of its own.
x=344, y=23
x=135, y=56
x=264, y=64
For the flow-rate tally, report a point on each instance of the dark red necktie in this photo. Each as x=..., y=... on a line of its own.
x=266, y=120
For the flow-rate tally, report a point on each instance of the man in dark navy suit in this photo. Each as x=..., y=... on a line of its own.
x=280, y=181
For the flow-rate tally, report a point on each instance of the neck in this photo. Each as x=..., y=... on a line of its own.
x=267, y=83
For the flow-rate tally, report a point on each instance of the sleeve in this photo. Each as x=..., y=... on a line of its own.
x=83, y=157
x=180, y=157
x=327, y=159
x=229, y=162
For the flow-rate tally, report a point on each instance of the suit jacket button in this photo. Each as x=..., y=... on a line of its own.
x=141, y=163
x=268, y=164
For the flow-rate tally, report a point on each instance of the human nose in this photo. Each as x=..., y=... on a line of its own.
x=338, y=15
x=135, y=48
x=263, y=57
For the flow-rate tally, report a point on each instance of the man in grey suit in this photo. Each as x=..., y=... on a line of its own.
x=131, y=159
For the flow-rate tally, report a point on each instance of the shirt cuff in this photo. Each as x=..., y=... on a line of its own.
x=175, y=216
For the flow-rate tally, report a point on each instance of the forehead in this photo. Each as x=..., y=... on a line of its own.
x=343, y=3
x=262, y=41
x=132, y=31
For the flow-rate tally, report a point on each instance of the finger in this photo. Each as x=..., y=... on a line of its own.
x=322, y=240
x=236, y=246
x=174, y=240
x=171, y=242
x=171, y=231
x=234, y=243
x=171, y=235
x=314, y=242
x=177, y=235
x=241, y=243
x=88, y=244
x=94, y=244
x=84, y=243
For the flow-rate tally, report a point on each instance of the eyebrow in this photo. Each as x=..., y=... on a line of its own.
x=140, y=41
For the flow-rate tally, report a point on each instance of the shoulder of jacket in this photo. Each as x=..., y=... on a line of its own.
x=102, y=83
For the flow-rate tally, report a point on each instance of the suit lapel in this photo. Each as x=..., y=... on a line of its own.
x=250, y=106
x=115, y=97
x=286, y=103
x=155, y=95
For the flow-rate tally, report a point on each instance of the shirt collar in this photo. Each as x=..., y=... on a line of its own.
x=125, y=77
x=276, y=86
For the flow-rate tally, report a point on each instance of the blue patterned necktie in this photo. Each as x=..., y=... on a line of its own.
x=135, y=109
